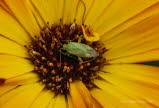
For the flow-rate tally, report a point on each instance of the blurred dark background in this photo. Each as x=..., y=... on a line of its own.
x=153, y=63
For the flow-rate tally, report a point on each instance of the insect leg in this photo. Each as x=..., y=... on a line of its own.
x=80, y=59
x=80, y=39
x=67, y=54
x=89, y=60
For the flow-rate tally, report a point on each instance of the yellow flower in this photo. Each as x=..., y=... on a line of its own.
x=128, y=30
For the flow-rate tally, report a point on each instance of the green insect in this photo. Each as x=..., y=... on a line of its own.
x=80, y=50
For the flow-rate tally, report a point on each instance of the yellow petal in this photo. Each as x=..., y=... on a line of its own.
x=9, y=47
x=22, y=96
x=124, y=45
x=87, y=4
x=134, y=72
x=70, y=105
x=89, y=34
x=40, y=21
x=104, y=98
x=11, y=29
x=4, y=98
x=140, y=31
x=80, y=12
x=43, y=99
x=24, y=15
x=143, y=57
x=118, y=12
x=77, y=99
x=122, y=99
x=147, y=13
x=60, y=101
x=96, y=104
x=70, y=8
x=84, y=93
x=3, y=4
x=44, y=9
x=26, y=78
x=52, y=103
x=59, y=11
x=11, y=66
x=5, y=88
x=146, y=84
x=94, y=12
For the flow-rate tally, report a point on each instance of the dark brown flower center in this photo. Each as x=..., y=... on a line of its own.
x=57, y=67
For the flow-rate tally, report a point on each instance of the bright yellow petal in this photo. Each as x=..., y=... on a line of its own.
x=70, y=105
x=59, y=11
x=134, y=72
x=52, y=103
x=70, y=8
x=21, y=10
x=68, y=11
x=144, y=80
x=21, y=97
x=43, y=99
x=49, y=10
x=137, y=40
x=119, y=11
x=94, y=11
x=85, y=93
x=11, y=83
x=37, y=15
x=143, y=57
x=104, y=98
x=3, y=4
x=44, y=9
x=4, y=98
x=60, y=102
x=11, y=66
x=96, y=104
x=81, y=9
x=122, y=99
x=9, y=47
x=77, y=99
x=147, y=13
x=26, y=78
x=5, y=88
x=11, y=29
x=88, y=5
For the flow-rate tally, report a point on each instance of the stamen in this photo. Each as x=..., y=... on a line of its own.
x=55, y=66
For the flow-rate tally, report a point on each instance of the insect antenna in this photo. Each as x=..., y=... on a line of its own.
x=103, y=71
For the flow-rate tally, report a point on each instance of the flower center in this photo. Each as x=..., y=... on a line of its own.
x=62, y=55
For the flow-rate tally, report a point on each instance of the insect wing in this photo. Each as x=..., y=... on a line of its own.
x=78, y=49
x=89, y=50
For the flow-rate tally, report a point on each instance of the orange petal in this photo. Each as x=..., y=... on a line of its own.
x=77, y=99
x=84, y=93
